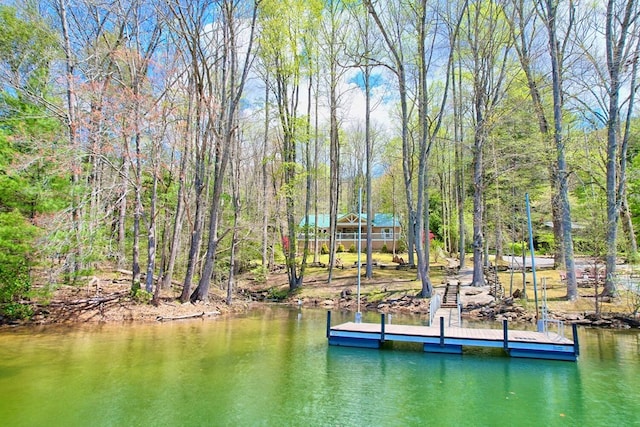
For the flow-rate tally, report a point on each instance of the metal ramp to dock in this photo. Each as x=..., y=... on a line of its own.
x=441, y=339
x=447, y=306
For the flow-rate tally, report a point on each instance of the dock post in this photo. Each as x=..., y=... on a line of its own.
x=328, y=323
x=382, y=327
x=441, y=331
x=505, y=333
x=576, y=345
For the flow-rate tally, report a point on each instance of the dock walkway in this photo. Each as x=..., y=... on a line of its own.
x=447, y=306
x=438, y=339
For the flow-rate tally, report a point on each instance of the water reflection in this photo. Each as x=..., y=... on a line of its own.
x=274, y=367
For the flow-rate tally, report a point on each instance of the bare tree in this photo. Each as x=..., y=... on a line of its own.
x=488, y=41
x=235, y=70
x=524, y=27
x=621, y=24
x=72, y=125
x=549, y=13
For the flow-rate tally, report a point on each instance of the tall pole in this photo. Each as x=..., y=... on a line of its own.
x=533, y=260
x=358, y=314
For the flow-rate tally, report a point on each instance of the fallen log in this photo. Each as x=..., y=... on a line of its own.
x=188, y=316
x=97, y=300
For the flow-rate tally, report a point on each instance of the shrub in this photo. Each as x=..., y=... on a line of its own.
x=277, y=294
x=141, y=296
x=401, y=246
x=437, y=247
x=384, y=249
x=340, y=248
x=16, y=239
x=517, y=247
x=352, y=249
x=16, y=311
x=16, y=285
x=324, y=250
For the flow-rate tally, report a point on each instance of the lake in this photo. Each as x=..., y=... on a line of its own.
x=273, y=366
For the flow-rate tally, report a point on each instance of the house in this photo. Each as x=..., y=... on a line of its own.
x=385, y=230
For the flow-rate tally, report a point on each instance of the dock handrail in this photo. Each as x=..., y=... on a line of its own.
x=546, y=321
x=434, y=305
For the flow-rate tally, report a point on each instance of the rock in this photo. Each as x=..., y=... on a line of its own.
x=602, y=323
x=572, y=317
x=582, y=322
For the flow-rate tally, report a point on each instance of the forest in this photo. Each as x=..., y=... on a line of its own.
x=186, y=140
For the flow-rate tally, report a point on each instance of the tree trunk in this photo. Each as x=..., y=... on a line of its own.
x=478, y=206
x=334, y=159
x=72, y=125
x=151, y=236
x=122, y=212
x=563, y=190
x=369, y=155
x=137, y=211
x=265, y=181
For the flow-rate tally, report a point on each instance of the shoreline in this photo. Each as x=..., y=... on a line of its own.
x=108, y=300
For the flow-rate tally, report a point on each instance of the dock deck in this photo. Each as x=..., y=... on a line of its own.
x=438, y=339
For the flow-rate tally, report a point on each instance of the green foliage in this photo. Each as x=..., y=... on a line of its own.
x=401, y=246
x=633, y=258
x=16, y=239
x=545, y=243
x=437, y=247
x=516, y=248
x=324, y=250
x=278, y=254
x=277, y=294
x=27, y=46
x=384, y=249
x=141, y=296
x=340, y=248
x=16, y=311
x=15, y=285
x=260, y=274
x=352, y=249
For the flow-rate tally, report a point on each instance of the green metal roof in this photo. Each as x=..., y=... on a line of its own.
x=379, y=220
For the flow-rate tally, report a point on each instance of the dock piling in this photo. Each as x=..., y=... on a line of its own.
x=328, y=323
x=382, y=327
x=576, y=345
x=505, y=333
x=441, y=331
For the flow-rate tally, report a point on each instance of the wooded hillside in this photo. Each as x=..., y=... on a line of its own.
x=186, y=140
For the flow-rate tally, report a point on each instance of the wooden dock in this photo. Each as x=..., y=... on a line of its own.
x=438, y=339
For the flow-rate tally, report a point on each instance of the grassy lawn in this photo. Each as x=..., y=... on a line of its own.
x=391, y=283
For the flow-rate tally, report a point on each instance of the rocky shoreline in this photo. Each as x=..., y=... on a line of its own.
x=478, y=308
x=514, y=312
x=111, y=302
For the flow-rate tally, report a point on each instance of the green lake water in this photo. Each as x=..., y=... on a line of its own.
x=273, y=367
